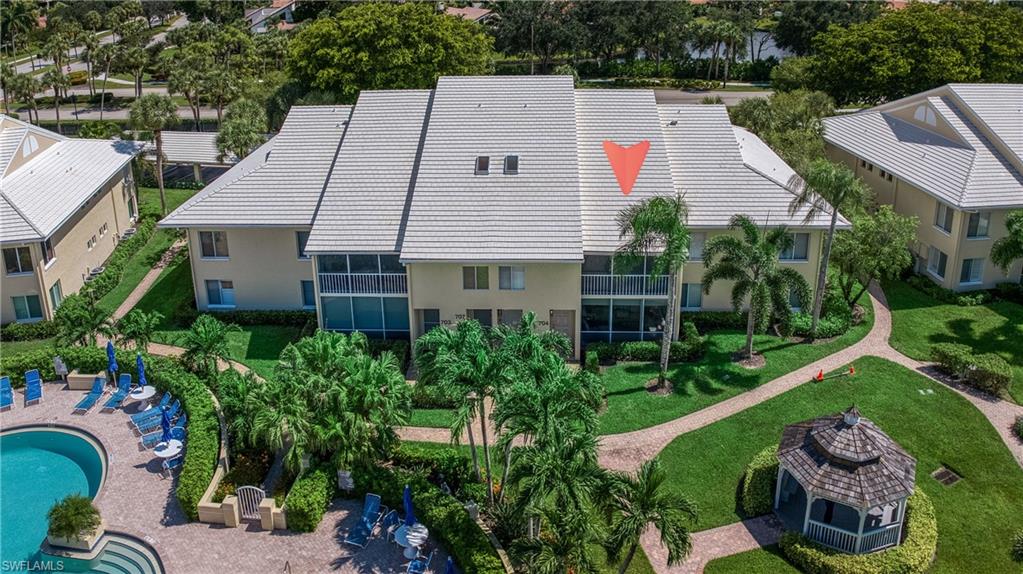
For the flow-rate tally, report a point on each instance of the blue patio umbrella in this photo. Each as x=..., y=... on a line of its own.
x=410, y=517
x=450, y=568
x=142, y=370
x=111, y=360
x=165, y=426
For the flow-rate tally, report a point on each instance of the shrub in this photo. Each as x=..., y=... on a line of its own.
x=1010, y=292
x=758, y=482
x=680, y=351
x=400, y=349
x=28, y=331
x=113, y=268
x=73, y=518
x=606, y=352
x=990, y=373
x=715, y=320
x=938, y=292
x=245, y=470
x=455, y=466
x=308, y=499
x=591, y=362
x=431, y=397
x=953, y=358
x=828, y=326
x=282, y=318
x=1018, y=427
x=913, y=556
x=1017, y=546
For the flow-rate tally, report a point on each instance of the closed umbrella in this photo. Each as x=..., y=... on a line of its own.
x=111, y=361
x=165, y=426
x=450, y=568
x=410, y=517
x=142, y=370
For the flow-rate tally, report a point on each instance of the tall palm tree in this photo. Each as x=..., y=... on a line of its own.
x=106, y=54
x=25, y=87
x=751, y=261
x=206, y=343
x=564, y=547
x=90, y=43
x=1005, y=250
x=244, y=128
x=20, y=18
x=55, y=79
x=829, y=189
x=155, y=113
x=6, y=75
x=137, y=328
x=643, y=500
x=280, y=420
x=659, y=223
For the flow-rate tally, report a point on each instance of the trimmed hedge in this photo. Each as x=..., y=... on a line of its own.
x=988, y=372
x=1010, y=292
x=913, y=556
x=689, y=348
x=455, y=466
x=953, y=358
x=1017, y=546
x=829, y=325
x=716, y=320
x=591, y=362
x=28, y=331
x=1017, y=427
x=758, y=482
x=308, y=499
x=114, y=265
x=165, y=374
x=969, y=299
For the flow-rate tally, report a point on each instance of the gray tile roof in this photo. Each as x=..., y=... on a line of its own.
x=10, y=141
x=710, y=166
x=192, y=147
x=625, y=117
x=1000, y=107
x=848, y=459
x=14, y=226
x=456, y=215
x=364, y=203
x=282, y=183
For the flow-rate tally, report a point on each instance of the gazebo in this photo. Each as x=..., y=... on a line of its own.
x=843, y=483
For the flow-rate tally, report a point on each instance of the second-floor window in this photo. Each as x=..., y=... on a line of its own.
x=17, y=260
x=696, y=241
x=799, y=250
x=476, y=277
x=48, y=254
x=512, y=278
x=301, y=238
x=978, y=224
x=482, y=165
x=943, y=217
x=213, y=244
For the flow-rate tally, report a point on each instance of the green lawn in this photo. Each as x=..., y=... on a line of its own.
x=438, y=418
x=919, y=321
x=766, y=560
x=149, y=198
x=14, y=347
x=711, y=380
x=976, y=516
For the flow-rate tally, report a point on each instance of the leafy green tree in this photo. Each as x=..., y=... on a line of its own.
x=81, y=322
x=542, y=29
x=99, y=130
x=206, y=344
x=221, y=86
x=877, y=248
x=244, y=128
x=134, y=61
x=829, y=189
x=1007, y=249
x=793, y=73
x=789, y=122
x=55, y=79
x=155, y=113
x=92, y=20
x=800, y=22
x=751, y=261
x=375, y=45
x=137, y=328
x=644, y=500
x=18, y=19
x=658, y=225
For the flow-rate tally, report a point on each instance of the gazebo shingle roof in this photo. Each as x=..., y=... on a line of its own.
x=847, y=459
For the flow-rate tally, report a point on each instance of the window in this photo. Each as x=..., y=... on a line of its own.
x=870, y=167
x=301, y=238
x=943, y=217
x=27, y=308
x=333, y=263
x=56, y=296
x=653, y=316
x=863, y=163
x=476, y=277
x=220, y=293
x=509, y=317
x=596, y=265
x=696, y=241
x=883, y=174
x=308, y=295
x=889, y=176
x=484, y=316
x=391, y=264
x=973, y=271
x=511, y=165
x=47, y=249
x=90, y=243
x=936, y=262
x=513, y=278
x=103, y=230
x=692, y=295
x=794, y=300
x=799, y=250
x=213, y=244
x=131, y=206
x=978, y=224
x=431, y=319
x=626, y=315
x=368, y=313
x=17, y=260
x=596, y=315
x=482, y=165
x=924, y=113
x=364, y=264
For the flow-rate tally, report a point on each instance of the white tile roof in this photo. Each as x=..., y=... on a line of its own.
x=278, y=189
x=533, y=216
x=364, y=203
x=47, y=190
x=192, y=147
x=10, y=141
x=1000, y=106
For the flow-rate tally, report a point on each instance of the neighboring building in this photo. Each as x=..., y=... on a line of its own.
x=953, y=157
x=64, y=205
x=280, y=13
x=195, y=149
x=485, y=198
x=473, y=13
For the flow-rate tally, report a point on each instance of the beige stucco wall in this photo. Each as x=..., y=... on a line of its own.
x=907, y=199
x=20, y=158
x=263, y=264
x=73, y=259
x=549, y=286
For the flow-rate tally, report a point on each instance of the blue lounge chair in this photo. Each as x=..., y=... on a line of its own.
x=90, y=399
x=6, y=394
x=359, y=534
x=177, y=432
x=33, y=387
x=419, y=566
x=390, y=523
x=170, y=464
x=371, y=510
x=153, y=423
x=123, y=387
x=152, y=411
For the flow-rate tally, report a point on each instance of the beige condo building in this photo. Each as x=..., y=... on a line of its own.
x=64, y=205
x=484, y=198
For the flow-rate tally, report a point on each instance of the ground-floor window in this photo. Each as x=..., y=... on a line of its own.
x=937, y=261
x=27, y=308
x=378, y=317
x=308, y=295
x=623, y=319
x=430, y=319
x=973, y=271
x=484, y=316
x=509, y=317
x=220, y=293
x=692, y=296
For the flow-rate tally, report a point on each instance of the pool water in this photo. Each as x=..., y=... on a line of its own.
x=37, y=469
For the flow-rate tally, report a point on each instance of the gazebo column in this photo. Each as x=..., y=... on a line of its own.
x=197, y=172
x=859, y=530
x=901, y=512
x=806, y=516
x=777, y=489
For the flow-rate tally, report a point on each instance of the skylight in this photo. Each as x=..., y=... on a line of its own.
x=482, y=165
x=511, y=165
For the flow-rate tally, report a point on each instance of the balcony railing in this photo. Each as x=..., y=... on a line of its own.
x=363, y=283
x=625, y=285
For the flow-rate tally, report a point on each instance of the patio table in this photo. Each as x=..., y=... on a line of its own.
x=411, y=537
x=143, y=393
x=169, y=449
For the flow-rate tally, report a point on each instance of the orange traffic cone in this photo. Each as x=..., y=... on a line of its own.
x=820, y=376
x=852, y=370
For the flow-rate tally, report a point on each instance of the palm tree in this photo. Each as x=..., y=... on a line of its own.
x=6, y=76
x=134, y=60
x=221, y=86
x=244, y=128
x=206, y=344
x=25, y=87
x=830, y=188
x=1007, y=249
x=155, y=113
x=751, y=261
x=137, y=328
x=20, y=18
x=55, y=78
x=90, y=44
x=81, y=322
x=659, y=223
x=564, y=547
x=643, y=500
x=280, y=421
x=106, y=54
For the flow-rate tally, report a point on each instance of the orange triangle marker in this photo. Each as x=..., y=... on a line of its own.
x=820, y=375
x=626, y=162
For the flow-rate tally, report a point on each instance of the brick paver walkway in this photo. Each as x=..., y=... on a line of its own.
x=140, y=290
x=714, y=543
x=135, y=499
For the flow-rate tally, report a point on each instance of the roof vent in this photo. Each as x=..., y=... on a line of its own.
x=673, y=123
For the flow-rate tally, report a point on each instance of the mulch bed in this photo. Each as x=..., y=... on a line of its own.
x=652, y=388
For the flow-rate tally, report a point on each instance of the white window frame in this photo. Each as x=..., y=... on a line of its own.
x=56, y=301
x=28, y=308
x=697, y=238
x=213, y=242
x=44, y=246
x=22, y=272
x=979, y=268
x=943, y=211
x=792, y=257
x=934, y=256
x=686, y=290
x=515, y=275
x=475, y=278
x=983, y=217
x=222, y=290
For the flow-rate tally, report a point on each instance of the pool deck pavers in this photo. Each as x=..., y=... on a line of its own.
x=137, y=500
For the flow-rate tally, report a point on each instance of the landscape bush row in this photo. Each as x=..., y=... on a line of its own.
x=28, y=331
x=758, y=482
x=986, y=371
x=690, y=347
x=969, y=299
x=309, y=498
x=114, y=266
